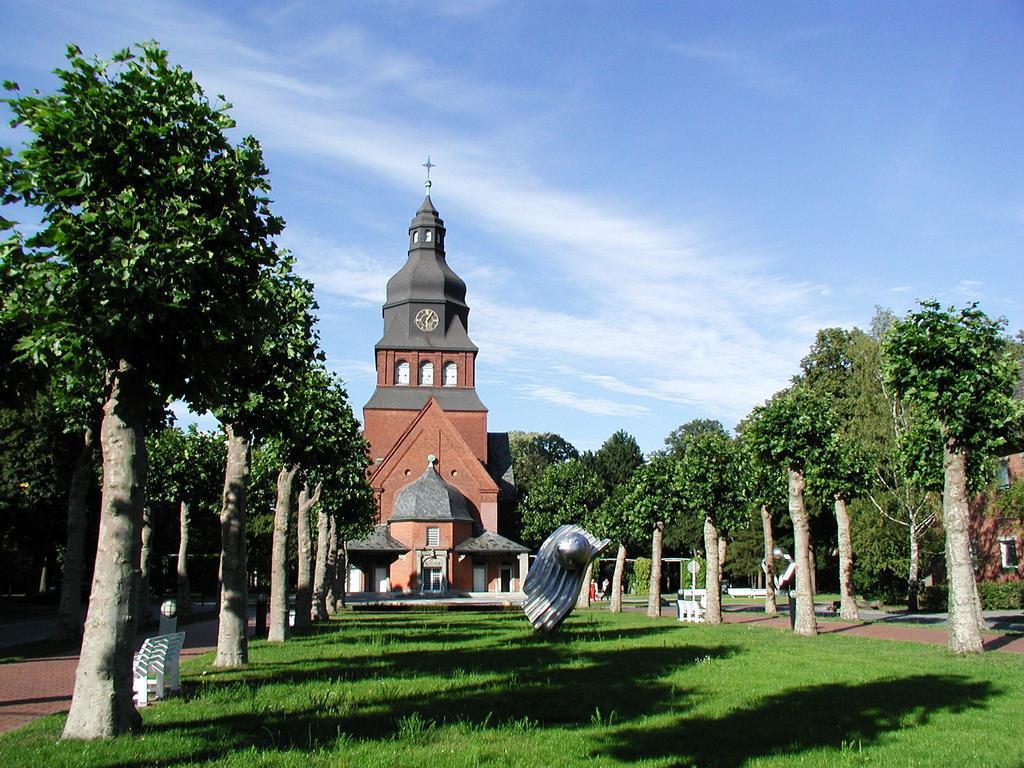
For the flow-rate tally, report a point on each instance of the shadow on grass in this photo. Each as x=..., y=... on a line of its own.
x=830, y=716
x=545, y=683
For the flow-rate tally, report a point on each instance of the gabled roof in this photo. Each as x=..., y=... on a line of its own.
x=489, y=542
x=452, y=437
x=378, y=540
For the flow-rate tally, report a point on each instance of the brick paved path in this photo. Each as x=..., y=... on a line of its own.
x=910, y=633
x=37, y=687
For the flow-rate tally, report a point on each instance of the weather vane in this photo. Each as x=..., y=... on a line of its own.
x=428, y=165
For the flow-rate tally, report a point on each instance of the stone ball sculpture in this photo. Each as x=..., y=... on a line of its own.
x=555, y=579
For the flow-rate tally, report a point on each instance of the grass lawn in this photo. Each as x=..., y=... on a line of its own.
x=461, y=689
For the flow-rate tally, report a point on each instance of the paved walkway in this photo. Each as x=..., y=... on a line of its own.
x=37, y=687
x=884, y=630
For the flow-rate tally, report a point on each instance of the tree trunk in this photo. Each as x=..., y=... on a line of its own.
x=145, y=609
x=69, y=615
x=184, y=590
x=965, y=623
x=319, y=609
x=620, y=568
x=769, y=560
x=812, y=561
x=583, y=598
x=278, y=630
x=847, y=597
x=340, y=576
x=713, y=578
x=232, y=645
x=304, y=586
x=914, y=573
x=805, y=622
x=654, y=591
x=331, y=599
x=723, y=550
x=102, y=703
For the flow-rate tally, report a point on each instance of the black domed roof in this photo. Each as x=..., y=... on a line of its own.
x=426, y=276
x=431, y=498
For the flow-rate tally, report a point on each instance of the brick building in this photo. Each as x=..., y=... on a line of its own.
x=441, y=479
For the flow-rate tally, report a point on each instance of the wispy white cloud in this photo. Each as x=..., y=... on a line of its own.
x=593, y=405
x=748, y=66
x=340, y=270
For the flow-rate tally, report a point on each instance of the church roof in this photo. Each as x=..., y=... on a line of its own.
x=426, y=282
x=431, y=499
x=426, y=275
x=414, y=398
x=489, y=541
x=499, y=465
x=378, y=540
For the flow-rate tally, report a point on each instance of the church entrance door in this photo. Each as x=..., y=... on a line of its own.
x=380, y=578
x=355, y=580
x=479, y=578
x=506, y=578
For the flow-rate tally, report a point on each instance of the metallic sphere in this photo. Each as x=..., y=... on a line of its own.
x=573, y=551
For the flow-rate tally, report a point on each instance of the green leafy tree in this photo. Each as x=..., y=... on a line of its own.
x=843, y=474
x=652, y=496
x=184, y=474
x=680, y=438
x=565, y=493
x=793, y=430
x=623, y=524
x=616, y=459
x=319, y=446
x=955, y=366
x=708, y=478
x=764, y=486
x=532, y=453
x=156, y=253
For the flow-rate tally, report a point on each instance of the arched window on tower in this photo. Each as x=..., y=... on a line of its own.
x=428, y=236
x=451, y=374
x=416, y=236
x=426, y=374
x=402, y=373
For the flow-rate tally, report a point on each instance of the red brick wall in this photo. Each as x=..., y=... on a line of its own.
x=383, y=429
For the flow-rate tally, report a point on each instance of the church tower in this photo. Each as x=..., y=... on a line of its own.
x=439, y=477
x=425, y=351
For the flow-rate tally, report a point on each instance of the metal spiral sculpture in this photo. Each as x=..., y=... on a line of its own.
x=554, y=581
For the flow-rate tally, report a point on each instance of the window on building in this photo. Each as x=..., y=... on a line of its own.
x=428, y=236
x=1003, y=473
x=433, y=537
x=451, y=374
x=402, y=372
x=416, y=236
x=426, y=374
x=433, y=580
x=1008, y=553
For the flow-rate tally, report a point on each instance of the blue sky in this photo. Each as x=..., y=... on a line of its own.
x=654, y=205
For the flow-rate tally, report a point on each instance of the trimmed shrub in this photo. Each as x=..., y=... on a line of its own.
x=1001, y=596
x=934, y=598
x=640, y=579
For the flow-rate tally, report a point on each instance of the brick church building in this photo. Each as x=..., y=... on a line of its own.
x=441, y=479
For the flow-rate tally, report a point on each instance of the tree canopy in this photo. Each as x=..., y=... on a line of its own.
x=565, y=493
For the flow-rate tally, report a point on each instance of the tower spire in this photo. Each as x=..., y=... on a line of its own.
x=428, y=165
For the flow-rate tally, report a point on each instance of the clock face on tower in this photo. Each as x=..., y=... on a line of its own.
x=426, y=320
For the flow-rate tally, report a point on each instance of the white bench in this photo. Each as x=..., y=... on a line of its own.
x=689, y=610
x=155, y=667
x=746, y=592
